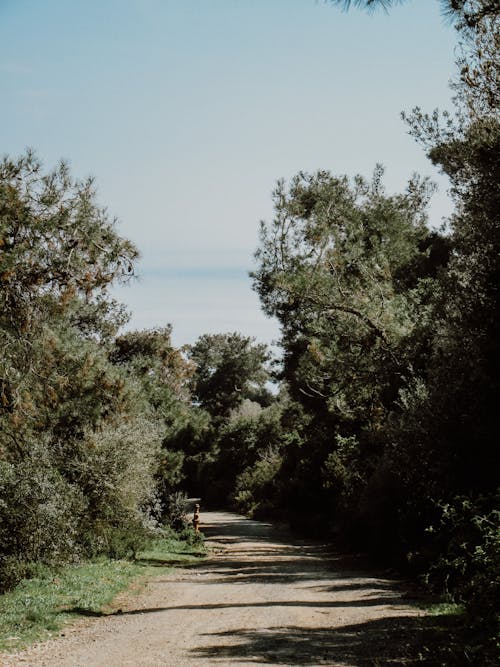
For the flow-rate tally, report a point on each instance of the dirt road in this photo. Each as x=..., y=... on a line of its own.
x=262, y=598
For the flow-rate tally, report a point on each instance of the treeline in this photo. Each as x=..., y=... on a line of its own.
x=83, y=413
x=100, y=432
x=385, y=428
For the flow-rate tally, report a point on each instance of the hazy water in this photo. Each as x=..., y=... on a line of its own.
x=197, y=301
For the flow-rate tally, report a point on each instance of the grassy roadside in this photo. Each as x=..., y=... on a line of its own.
x=40, y=607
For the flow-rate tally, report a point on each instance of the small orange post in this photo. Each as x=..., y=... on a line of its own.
x=196, y=518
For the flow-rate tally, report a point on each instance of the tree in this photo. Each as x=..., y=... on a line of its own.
x=59, y=252
x=350, y=272
x=77, y=454
x=367, y=4
x=150, y=356
x=335, y=269
x=467, y=12
x=229, y=368
x=162, y=374
x=446, y=432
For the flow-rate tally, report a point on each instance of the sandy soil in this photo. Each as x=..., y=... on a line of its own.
x=262, y=598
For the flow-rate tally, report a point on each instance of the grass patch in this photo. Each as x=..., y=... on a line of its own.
x=40, y=607
x=445, y=609
x=171, y=551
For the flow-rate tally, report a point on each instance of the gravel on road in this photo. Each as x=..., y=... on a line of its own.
x=261, y=598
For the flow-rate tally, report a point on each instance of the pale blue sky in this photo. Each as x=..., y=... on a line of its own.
x=187, y=111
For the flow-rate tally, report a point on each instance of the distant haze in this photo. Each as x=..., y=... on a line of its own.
x=187, y=111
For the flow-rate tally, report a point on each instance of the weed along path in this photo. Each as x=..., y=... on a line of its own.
x=260, y=598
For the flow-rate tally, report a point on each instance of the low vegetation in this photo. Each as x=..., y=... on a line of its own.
x=40, y=607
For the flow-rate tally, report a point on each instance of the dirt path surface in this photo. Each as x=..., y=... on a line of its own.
x=262, y=598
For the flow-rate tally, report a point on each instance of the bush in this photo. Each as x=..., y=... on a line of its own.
x=82, y=498
x=192, y=537
x=114, y=467
x=468, y=570
x=125, y=543
x=176, y=511
x=41, y=513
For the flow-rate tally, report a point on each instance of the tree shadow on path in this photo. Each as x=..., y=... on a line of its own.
x=404, y=640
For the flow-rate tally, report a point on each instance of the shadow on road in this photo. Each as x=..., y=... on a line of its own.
x=395, y=641
x=314, y=604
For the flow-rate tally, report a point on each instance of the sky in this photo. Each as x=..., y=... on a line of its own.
x=187, y=112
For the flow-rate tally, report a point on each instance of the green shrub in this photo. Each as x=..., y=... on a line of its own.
x=41, y=513
x=191, y=537
x=176, y=511
x=468, y=570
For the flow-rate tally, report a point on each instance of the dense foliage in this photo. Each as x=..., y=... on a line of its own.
x=80, y=439
x=229, y=400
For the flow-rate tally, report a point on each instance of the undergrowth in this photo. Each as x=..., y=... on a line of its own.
x=43, y=605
